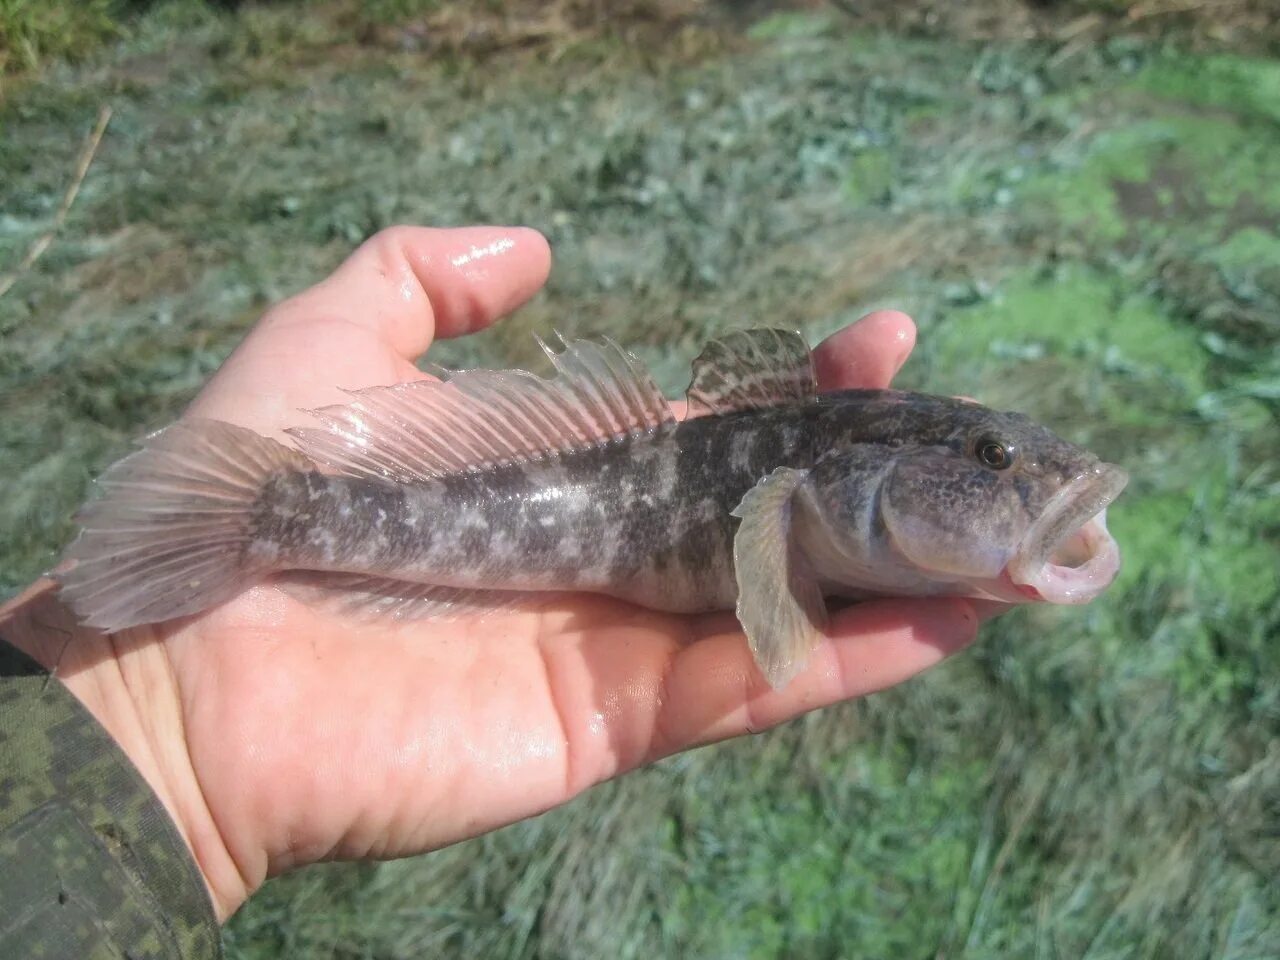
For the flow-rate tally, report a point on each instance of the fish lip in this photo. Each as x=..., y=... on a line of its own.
x=1080, y=507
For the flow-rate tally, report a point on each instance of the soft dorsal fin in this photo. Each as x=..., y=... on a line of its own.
x=751, y=369
x=483, y=418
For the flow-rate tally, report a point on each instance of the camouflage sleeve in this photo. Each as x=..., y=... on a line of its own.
x=91, y=866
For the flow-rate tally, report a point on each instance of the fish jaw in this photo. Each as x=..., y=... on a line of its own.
x=1068, y=556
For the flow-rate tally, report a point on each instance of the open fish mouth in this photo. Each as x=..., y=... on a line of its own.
x=1068, y=556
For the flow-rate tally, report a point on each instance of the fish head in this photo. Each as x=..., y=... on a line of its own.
x=999, y=507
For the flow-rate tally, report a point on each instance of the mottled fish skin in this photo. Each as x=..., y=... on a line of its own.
x=428, y=497
x=645, y=518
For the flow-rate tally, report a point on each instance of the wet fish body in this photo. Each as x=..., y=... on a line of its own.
x=419, y=499
x=645, y=518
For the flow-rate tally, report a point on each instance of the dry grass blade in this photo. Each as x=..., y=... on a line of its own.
x=1157, y=8
x=42, y=242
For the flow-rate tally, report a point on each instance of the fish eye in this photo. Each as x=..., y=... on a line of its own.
x=994, y=454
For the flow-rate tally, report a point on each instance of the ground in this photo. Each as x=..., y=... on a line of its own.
x=1086, y=232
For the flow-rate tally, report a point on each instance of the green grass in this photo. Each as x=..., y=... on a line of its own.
x=1093, y=242
x=1245, y=86
x=36, y=34
x=33, y=32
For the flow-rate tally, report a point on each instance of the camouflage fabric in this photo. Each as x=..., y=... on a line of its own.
x=91, y=866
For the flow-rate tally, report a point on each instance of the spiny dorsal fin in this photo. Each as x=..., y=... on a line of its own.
x=482, y=418
x=751, y=369
x=780, y=603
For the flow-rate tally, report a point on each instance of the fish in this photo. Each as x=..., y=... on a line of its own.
x=484, y=489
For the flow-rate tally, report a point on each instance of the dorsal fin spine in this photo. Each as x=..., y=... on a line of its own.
x=518, y=421
x=468, y=447
x=621, y=402
x=478, y=419
x=614, y=402
x=417, y=442
x=365, y=400
x=544, y=415
x=468, y=436
x=606, y=401
x=550, y=419
x=580, y=413
x=393, y=403
x=538, y=411
x=585, y=388
x=644, y=410
x=554, y=419
x=500, y=431
x=640, y=411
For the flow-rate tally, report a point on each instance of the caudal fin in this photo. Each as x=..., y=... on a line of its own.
x=169, y=536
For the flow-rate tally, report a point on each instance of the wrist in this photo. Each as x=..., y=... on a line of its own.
x=126, y=682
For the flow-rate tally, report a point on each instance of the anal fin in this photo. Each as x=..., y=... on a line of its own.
x=367, y=597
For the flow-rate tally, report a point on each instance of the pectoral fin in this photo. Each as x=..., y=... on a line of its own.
x=780, y=602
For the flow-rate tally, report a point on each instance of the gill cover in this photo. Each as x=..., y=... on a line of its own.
x=949, y=517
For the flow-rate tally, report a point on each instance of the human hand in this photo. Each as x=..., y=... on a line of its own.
x=278, y=734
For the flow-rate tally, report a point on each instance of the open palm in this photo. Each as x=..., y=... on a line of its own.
x=280, y=734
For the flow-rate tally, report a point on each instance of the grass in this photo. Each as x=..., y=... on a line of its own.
x=35, y=34
x=1091, y=238
x=35, y=31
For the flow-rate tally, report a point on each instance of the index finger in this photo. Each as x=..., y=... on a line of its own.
x=366, y=323
x=411, y=284
x=866, y=354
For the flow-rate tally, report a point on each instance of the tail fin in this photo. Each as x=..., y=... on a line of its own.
x=169, y=535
